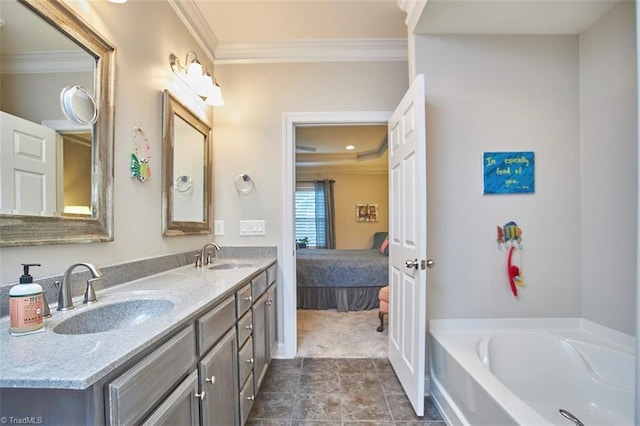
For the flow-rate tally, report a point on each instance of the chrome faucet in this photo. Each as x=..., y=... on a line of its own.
x=205, y=256
x=64, y=296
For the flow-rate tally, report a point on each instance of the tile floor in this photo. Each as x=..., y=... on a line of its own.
x=335, y=391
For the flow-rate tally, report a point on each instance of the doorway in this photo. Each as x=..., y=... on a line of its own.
x=288, y=348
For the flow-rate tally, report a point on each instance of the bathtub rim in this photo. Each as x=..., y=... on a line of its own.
x=455, y=335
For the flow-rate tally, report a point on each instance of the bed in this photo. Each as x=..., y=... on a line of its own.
x=345, y=280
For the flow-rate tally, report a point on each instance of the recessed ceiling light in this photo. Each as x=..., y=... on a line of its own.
x=349, y=147
x=117, y=1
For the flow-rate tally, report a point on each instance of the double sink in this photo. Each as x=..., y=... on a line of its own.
x=111, y=313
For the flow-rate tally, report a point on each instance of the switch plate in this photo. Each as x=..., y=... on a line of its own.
x=218, y=227
x=252, y=227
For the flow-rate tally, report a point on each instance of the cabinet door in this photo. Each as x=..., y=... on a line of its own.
x=272, y=320
x=131, y=396
x=260, y=340
x=218, y=375
x=180, y=407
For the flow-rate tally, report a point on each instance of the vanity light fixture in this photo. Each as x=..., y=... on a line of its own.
x=197, y=78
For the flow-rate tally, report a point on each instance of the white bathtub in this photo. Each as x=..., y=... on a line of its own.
x=523, y=371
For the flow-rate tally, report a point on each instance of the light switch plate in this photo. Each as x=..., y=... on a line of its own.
x=252, y=227
x=218, y=227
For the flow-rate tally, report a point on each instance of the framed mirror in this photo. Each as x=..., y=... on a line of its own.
x=45, y=47
x=186, y=170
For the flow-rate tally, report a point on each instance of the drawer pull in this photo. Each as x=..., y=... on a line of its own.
x=248, y=299
x=251, y=398
x=211, y=380
x=270, y=302
x=200, y=395
x=250, y=361
x=249, y=327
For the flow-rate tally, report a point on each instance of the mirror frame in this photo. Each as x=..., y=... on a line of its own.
x=173, y=107
x=21, y=230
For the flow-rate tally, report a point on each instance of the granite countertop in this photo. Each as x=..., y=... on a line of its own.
x=51, y=360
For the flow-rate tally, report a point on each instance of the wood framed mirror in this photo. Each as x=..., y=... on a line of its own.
x=70, y=49
x=186, y=170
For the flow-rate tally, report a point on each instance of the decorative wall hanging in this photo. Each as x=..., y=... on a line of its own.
x=510, y=236
x=366, y=212
x=141, y=155
x=509, y=172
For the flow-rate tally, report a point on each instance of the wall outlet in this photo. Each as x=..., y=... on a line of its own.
x=218, y=227
x=252, y=227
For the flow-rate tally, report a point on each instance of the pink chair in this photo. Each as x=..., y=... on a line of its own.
x=383, y=296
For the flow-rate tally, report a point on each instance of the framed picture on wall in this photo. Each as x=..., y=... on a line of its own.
x=366, y=212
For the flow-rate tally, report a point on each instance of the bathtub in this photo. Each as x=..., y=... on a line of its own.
x=523, y=371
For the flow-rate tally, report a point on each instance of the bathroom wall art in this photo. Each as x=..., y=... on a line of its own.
x=509, y=172
x=366, y=212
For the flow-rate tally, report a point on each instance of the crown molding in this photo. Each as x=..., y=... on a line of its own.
x=337, y=50
x=413, y=9
x=44, y=62
x=196, y=24
x=341, y=169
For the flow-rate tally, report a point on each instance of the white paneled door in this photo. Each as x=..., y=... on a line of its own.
x=408, y=243
x=28, y=167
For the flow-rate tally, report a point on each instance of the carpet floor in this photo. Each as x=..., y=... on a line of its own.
x=332, y=334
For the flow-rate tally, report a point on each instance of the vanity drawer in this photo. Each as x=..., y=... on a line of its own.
x=247, y=397
x=245, y=327
x=132, y=394
x=245, y=361
x=243, y=300
x=258, y=285
x=213, y=325
x=271, y=274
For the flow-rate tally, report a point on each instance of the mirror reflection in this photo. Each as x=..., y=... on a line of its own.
x=56, y=176
x=186, y=169
x=42, y=177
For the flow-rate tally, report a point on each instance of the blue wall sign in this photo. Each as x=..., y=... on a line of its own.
x=509, y=172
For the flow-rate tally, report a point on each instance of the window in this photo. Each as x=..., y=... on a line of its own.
x=315, y=215
x=305, y=200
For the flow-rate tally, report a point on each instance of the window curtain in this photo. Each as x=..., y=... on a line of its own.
x=325, y=214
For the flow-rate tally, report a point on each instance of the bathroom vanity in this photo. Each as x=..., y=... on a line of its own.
x=195, y=351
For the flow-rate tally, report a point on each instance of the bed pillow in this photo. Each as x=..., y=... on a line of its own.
x=378, y=239
x=384, y=248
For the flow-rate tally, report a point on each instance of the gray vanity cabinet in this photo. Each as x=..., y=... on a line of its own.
x=218, y=378
x=179, y=408
x=272, y=319
x=260, y=339
x=207, y=372
x=132, y=395
x=264, y=323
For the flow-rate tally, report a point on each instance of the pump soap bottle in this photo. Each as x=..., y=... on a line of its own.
x=25, y=305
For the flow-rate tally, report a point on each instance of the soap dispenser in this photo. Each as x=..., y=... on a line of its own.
x=25, y=305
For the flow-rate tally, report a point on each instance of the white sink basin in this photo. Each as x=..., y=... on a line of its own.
x=113, y=316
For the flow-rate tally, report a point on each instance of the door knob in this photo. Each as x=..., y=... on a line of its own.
x=412, y=263
x=431, y=263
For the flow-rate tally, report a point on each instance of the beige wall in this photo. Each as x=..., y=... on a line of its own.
x=352, y=189
x=248, y=129
x=247, y=133
x=608, y=156
x=145, y=34
x=36, y=97
x=571, y=100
